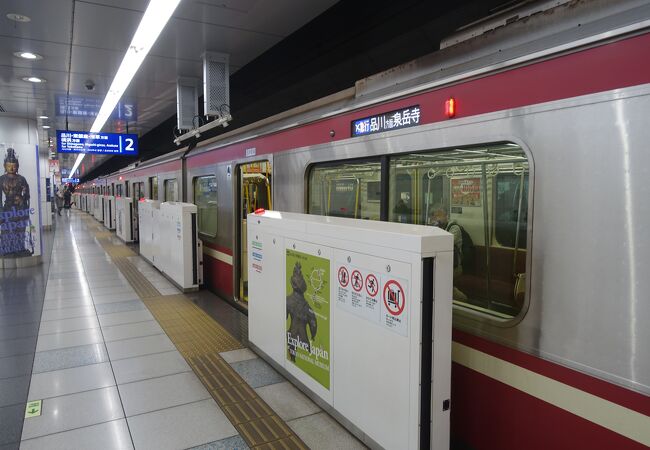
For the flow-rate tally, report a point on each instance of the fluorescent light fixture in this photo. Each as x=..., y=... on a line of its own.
x=153, y=22
x=34, y=79
x=28, y=55
x=46, y=126
x=43, y=117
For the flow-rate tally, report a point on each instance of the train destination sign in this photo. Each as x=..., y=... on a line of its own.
x=394, y=120
x=101, y=143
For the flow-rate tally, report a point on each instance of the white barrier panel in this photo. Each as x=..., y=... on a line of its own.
x=76, y=201
x=359, y=313
x=124, y=218
x=149, y=216
x=98, y=207
x=109, y=212
x=181, y=253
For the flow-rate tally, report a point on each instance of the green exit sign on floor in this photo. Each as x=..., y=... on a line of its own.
x=33, y=409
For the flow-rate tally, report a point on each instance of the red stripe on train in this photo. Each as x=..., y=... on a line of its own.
x=487, y=414
x=217, y=276
x=218, y=248
x=598, y=69
x=600, y=388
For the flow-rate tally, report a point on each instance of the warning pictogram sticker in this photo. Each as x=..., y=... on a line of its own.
x=394, y=298
x=344, y=276
x=357, y=280
x=372, y=285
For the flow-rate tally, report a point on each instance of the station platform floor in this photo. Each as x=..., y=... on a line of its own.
x=120, y=359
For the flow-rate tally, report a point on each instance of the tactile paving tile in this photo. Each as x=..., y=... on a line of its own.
x=138, y=282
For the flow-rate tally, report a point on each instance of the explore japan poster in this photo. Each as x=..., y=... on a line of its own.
x=19, y=201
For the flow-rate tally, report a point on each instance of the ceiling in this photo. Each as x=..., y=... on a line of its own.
x=82, y=41
x=283, y=53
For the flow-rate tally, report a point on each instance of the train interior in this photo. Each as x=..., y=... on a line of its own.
x=479, y=193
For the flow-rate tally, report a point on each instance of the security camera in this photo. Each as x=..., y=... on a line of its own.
x=89, y=85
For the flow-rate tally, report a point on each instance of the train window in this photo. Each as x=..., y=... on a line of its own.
x=205, y=199
x=349, y=189
x=479, y=194
x=118, y=190
x=126, y=188
x=153, y=188
x=171, y=190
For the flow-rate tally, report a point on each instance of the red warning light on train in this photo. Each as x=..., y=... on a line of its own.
x=450, y=107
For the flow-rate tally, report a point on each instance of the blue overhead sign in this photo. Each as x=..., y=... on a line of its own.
x=101, y=143
x=88, y=107
x=70, y=180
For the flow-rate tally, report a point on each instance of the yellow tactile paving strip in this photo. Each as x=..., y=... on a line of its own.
x=200, y=340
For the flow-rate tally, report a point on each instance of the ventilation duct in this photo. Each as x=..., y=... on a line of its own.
x=216, y=84
x=187, y=103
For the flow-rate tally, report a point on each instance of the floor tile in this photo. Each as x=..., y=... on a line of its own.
x=67, y=303
x=68, y=313
x=180, y=427
x=160, y=393
x=131, y=330
x=69, y=357
x=13, y=347
x=241, y=354
x=11, y=422
x=70, y=381
x=120, y=318
x=69, y=339
x=231, y=443
x=19, y=331
x=63, y=325
x=287, y=401
x=321, y=432
x=13, y=391
x=129, y=348
x=110, y=308
x=149, y=366
x=111, y=435
x=74, y=411
x=19, y=318
x=114, y=298
x=15, y=366
x=257, y=373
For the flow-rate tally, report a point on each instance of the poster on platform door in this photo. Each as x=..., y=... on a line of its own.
x=20, y=231
x=308, y=314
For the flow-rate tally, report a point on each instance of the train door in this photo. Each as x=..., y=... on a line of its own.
x=138, y=193
x=254, y=190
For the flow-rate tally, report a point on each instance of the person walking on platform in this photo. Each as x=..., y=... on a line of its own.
x=67, y=196
x=59, y=200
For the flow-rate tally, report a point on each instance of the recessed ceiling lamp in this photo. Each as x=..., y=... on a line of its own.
x=34, y=79
x=28, y=55
x=153, y=22
x=46, y=126
x=43, y=117
x=18, y=17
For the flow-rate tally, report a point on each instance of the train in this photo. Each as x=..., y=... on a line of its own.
x=531, y=131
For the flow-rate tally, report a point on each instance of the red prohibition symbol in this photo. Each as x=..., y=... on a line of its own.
x=372, y=285
x=357, y=280
x=344, y=276
x=394, y=298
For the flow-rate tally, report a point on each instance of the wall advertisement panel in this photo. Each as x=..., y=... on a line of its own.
x=308, y=314
x=20, y=231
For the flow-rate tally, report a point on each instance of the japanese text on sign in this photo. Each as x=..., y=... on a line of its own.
x=103, y=143
x=403, y=118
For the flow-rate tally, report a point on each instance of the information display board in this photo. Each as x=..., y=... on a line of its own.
x=100, y=143
x=361, y=320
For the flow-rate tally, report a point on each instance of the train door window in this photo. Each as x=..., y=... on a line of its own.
x=253, y=192
x=480, y=195
x=349, y=189
x=118, y=190
x=113, y=189
x=171, y=190
x=153, y=188
x=126, y=188
x=205, y=199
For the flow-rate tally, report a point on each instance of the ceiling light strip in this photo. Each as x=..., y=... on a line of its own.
x=153, y=22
